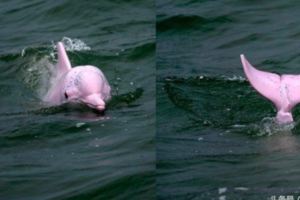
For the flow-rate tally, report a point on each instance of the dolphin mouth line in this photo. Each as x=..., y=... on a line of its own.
x=94, y=106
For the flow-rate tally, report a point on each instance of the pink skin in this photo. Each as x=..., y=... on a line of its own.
x=81, y=84
x=282, y=90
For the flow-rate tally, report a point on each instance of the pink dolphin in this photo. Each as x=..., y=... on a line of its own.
x=282, y=90
x=81, y=84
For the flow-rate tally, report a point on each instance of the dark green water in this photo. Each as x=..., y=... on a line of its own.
x=66, y=153
x=216, y=138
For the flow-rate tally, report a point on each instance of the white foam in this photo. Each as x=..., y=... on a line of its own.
x=238, y=126
x=223, y=197
x=73, y=44
x=226, y=78
x=269, y=126
x=222, y=190
x=23, y=52
x=80, y=124
x=241, y=188
x=235, y=78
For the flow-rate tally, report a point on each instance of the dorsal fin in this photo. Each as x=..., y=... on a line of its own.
x=63, y=64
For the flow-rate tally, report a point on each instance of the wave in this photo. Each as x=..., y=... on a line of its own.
x=240, y=41
x=141, y=51
x=186, y=22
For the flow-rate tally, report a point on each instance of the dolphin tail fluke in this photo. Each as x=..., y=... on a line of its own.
x=63, y=64
x=266, y=83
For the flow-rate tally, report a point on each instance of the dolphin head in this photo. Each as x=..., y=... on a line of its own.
x=82, y=84
x=87, y=85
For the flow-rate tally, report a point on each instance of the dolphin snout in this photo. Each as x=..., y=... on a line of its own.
x=101, y=108
x=95, y=101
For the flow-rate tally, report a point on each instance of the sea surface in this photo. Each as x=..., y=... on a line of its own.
x=216, y=136
x=68, y=152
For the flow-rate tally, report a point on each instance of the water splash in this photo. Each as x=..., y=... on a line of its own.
x=235, y=78
x=73, y=44
x=269, y=126
x=36, y=74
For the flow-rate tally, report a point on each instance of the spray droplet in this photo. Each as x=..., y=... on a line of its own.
x=23, y=52
x=222, y=190
x=80, y=124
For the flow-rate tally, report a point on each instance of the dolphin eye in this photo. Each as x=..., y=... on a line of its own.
x=66, y=95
